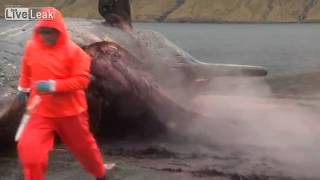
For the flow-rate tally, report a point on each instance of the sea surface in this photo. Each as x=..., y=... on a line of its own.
x=285, y=49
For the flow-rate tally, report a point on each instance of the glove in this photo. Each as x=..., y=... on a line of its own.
x=46, y=86
x=22, y=97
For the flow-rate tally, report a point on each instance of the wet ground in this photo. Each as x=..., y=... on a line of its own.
x=157, y=161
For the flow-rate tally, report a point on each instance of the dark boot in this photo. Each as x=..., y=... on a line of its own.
x=104, y=178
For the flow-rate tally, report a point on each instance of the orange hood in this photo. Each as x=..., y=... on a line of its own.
x=57, y=23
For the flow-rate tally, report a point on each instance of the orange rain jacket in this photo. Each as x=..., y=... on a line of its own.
x=66, y=63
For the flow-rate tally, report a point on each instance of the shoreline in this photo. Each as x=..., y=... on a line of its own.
x=151, y=20
x=198, y=22
x=222, y=22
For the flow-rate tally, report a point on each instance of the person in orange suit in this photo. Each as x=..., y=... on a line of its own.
x=56, y=69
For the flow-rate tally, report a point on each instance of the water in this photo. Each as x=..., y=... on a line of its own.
x=285, y=49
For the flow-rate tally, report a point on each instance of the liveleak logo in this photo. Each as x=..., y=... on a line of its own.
x=27, y=14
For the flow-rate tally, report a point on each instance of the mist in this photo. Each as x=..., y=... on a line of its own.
x=244, y=115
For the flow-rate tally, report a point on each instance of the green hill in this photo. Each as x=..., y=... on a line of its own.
x=278, y=11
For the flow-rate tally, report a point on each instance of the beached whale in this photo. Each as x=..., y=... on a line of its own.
x=139, y=76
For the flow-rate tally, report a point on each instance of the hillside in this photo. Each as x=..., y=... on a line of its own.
x=263, y=11
x=246, y=11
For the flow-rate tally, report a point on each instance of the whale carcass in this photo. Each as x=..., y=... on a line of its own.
x=138, y=74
